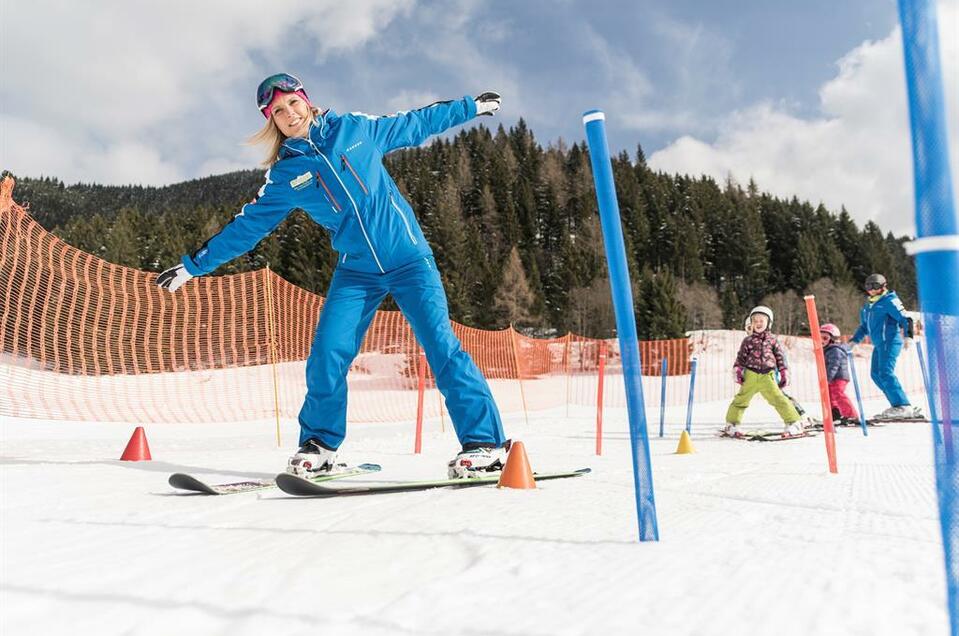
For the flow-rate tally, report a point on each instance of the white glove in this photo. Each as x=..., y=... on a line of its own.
x=487, y=103
x=173, y=278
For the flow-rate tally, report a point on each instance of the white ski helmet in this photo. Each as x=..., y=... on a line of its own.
x=764, y=310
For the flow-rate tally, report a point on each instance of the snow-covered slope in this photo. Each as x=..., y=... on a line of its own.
x=755, y=538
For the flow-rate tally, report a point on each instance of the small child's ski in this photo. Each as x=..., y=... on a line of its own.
x=769, y=436
x=183, y=481
x=293, y=485
x=856, y=423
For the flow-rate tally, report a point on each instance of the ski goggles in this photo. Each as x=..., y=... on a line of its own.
x=280, y=82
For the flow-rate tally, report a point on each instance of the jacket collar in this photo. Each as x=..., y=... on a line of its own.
x=875, y=299
x=319, y=130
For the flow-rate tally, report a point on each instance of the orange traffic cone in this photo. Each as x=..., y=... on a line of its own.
x=137, y=448
x=517, y=473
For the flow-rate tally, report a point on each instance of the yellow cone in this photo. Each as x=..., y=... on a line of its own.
x=685, y=445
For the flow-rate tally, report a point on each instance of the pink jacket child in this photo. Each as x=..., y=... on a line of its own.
x=837, y=375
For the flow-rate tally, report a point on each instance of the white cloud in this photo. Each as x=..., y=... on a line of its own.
x=856, y=152
x=407, y=100
x=104, y=79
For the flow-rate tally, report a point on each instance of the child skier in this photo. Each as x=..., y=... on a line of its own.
x=760, y=358
x=837, y=375
x=331, y=166
x=883, y=319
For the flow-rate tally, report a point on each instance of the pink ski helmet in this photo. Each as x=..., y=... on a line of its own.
x=830, y=329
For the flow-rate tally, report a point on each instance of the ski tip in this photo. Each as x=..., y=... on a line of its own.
x=182, y=481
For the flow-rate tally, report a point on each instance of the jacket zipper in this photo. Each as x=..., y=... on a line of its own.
x=356, y=209
x=344, y=163
x=409, y=230
x=329, y=194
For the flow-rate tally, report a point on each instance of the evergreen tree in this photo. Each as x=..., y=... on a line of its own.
x=662, y=316
x=513, y=301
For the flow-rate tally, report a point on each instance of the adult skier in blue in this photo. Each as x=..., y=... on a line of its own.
x=883, y=319
x=331, y=166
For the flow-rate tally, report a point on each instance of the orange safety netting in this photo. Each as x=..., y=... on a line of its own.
x=83, y=339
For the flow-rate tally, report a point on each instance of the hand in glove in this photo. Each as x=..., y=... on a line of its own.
x=739, y=371
x=172, y=278
x=783, y=378
x=487, y=103
x=910, y=328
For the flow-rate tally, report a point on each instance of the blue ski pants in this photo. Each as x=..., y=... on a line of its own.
x=351, y=303
x=883, y=372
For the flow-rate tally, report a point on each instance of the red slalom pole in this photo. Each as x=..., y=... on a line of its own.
x=421, y=388
x=599, y=398
x=829, y=431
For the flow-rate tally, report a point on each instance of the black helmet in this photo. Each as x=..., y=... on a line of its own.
x=875, y=281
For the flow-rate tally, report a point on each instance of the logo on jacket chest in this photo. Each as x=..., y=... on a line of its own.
x=302, y=181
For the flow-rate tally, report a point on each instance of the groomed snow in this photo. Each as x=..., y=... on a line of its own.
x=755, y=538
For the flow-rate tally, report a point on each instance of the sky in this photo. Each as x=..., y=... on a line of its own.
x=806, y=97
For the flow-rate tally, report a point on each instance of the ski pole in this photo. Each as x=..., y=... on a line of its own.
x=689, y=404
x=925, y=382
x=662, y=398
x=855, y=383
x=922, y=367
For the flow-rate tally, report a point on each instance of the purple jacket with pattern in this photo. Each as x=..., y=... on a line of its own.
x=762, y=353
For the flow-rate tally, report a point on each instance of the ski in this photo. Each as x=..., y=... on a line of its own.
x=857, y=424
x=879, y=421
x=761, y=435
x=293, y=485
x=183, y=481
x=767, y=436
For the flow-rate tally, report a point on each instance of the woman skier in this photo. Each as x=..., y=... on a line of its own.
x=884, y=319
x=331, y=166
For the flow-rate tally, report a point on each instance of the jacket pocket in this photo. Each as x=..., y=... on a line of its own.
x=320, y=183
x=345, y=163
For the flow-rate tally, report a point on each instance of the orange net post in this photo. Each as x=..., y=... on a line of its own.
x=599, y=398
x=519, y=371
x=420, y=389
x=272, y=334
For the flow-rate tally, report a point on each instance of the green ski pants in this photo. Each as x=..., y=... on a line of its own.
x=765, y=385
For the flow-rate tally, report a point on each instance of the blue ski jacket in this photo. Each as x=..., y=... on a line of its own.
x=837, y=362
x=337, y=177
x=882, y=320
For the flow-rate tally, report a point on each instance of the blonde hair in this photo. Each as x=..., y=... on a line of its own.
x=271, y=137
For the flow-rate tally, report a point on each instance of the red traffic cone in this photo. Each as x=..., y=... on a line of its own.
x=517, y=473
x=137, y=448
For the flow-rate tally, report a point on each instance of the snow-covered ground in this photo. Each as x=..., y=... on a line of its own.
x=755, y=538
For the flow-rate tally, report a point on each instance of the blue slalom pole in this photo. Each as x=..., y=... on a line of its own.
x=595, y=124
x=925, y=373
x=936, y=249
x=689, y=404
x=855, y=383
x=926, y=387
x=662, y=398
x=922, y=367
